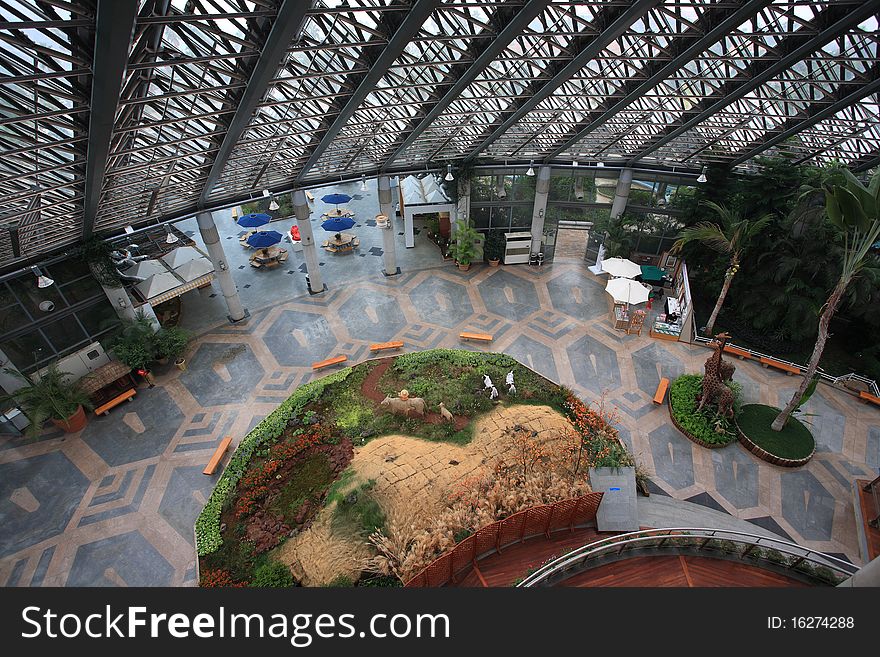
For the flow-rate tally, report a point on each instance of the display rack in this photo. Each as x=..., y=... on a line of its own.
x=517, y=248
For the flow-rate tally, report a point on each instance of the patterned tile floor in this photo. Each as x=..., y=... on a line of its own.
x=115, y=504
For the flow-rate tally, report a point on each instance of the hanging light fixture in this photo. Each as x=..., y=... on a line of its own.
x=363, y=183
x=702, y=178
x=531, y=170
x=42, y=281
x=170, y=237
x=273, y=204
x=574, y=163
x=600, y=164
x=448, y=175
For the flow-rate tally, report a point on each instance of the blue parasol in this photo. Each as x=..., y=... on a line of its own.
x=254, y=220
x=336, y=199
x=264, y=238
x=338, y=224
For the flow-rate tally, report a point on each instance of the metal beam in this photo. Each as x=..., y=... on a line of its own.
x=792, y=126
x=415, y=18
x=513, y=29
x=287, y=25
x=841, y=19
x=728, y=21
x=865, y=162
x=616, y=27
x=114, y=27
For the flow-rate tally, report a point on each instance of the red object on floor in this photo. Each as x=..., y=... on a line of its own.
x=649, y=303
x=294, y=233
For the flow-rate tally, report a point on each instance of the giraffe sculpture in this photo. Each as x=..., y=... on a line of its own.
x=717, y=372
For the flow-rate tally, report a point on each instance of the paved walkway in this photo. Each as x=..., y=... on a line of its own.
x=115, y=505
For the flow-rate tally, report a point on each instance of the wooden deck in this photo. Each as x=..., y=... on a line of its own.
x=685, y=571
x=681, y=571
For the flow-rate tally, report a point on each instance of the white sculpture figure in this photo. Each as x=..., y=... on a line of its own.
x=493, y=394
x=511, y=389
x=445, y=414
x=487, y=381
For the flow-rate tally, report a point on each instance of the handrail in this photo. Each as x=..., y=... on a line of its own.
x=826, y=377
x=701, y=537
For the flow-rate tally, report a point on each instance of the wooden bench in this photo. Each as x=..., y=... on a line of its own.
x=217, y=456
x=788, y=369
x=736, y=351
x=381, y=346
x=104, y=409
x=661, y=390
x=330, y=361
x=309, y=195
x=485, y=337
x=866, y=397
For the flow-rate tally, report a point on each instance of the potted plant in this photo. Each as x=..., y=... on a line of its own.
x=136, y=345
x=170, y=343
x=463, y=249
x=494, y=247
x=51, y=397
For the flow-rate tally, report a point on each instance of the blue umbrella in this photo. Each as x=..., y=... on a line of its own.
x=264, y=238
x=338, y=224
x=336, y=199
x=254, y=220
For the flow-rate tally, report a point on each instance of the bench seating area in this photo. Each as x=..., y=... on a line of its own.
x=382, y=346
x=661, y=390
x=104, y=409
x=866, y=397
x=736, y=351
x=217, y=456
x=330, y=361
x=788, y=369
x=485, y=337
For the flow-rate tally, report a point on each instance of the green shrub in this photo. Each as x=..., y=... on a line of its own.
x=343, y=581
x=273, y=575
x=701, y=424
x=357, y=509
x=381, y=580
x=794, y=441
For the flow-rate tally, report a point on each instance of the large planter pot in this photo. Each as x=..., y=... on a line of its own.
x=462, y=267
x=494, y=263
x=74, y=423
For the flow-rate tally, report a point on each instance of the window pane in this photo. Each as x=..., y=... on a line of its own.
x=23, y=351
x=81, y=290
x=501, y=218
x=522, y=217
x=98, y=318
x=65, y=334
x=480, y=217
x=31, y=296
x=481, y=188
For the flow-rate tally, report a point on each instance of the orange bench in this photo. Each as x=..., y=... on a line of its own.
x=485, y=337
x=788, y=369
x=868, y=397
x=330, y=361
x=661, y=390
x=217, y=456
x=104, y=409
x=386, y=345
x=736, y=351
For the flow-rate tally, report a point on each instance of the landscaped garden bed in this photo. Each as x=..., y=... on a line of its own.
x=705, y=427
x=793, y=446
x=334, y=489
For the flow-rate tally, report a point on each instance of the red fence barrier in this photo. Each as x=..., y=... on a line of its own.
x=544, y=519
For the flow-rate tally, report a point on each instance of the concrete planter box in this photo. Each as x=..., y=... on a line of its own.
x=617, y=512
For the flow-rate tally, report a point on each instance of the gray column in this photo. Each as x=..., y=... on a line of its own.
x=542, y=191
x=386, y=207
x=310, y=251
x=624, y=184
x=463, y=204
x=221, y=269
x=868, y=575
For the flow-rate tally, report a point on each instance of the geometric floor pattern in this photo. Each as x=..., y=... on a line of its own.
x=115, y=504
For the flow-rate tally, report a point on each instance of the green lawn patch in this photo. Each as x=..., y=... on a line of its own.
x=705, y=425
x=794, y=441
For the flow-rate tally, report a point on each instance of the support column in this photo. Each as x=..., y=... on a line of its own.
x=463, y=204
x=621, y=195
x=211, y=238
x=542, y=192
x=386, y=207
x=868, y=575
x=310, y=251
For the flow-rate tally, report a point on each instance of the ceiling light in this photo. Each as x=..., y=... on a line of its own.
x=574, y=163
x=170, y=238
x=363, y=183
x=129, y=229
x=448, y=175
x=42, y=281
x=266, y=192
x=702, y=177
x=600, y=164
x=531, y=170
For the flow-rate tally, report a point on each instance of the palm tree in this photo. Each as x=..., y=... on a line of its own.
x=731, y=236
x=853, y=208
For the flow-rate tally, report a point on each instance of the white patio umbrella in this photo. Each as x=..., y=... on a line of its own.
x=621, y=267
x=625, y=290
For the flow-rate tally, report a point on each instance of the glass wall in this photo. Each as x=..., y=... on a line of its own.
x=502, y=202
x=40, y=325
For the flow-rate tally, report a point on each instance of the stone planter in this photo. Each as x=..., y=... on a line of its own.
x=690, y=436
x=617, y=511
x=764, y=455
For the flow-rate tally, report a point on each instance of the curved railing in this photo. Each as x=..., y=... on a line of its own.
x=777, y=554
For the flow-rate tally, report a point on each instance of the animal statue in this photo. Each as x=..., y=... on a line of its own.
x=487, y=382
x=404, y=406
x=493, y=393
x=511, y=388
x=445, y=414
x=714, y=390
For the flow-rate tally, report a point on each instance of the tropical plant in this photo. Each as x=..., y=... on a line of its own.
x=171, y=342
x=272, y=575
x=136, y=344
x=463, y=249
x=855, y=210
x=731, y=237
x=51, y=397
